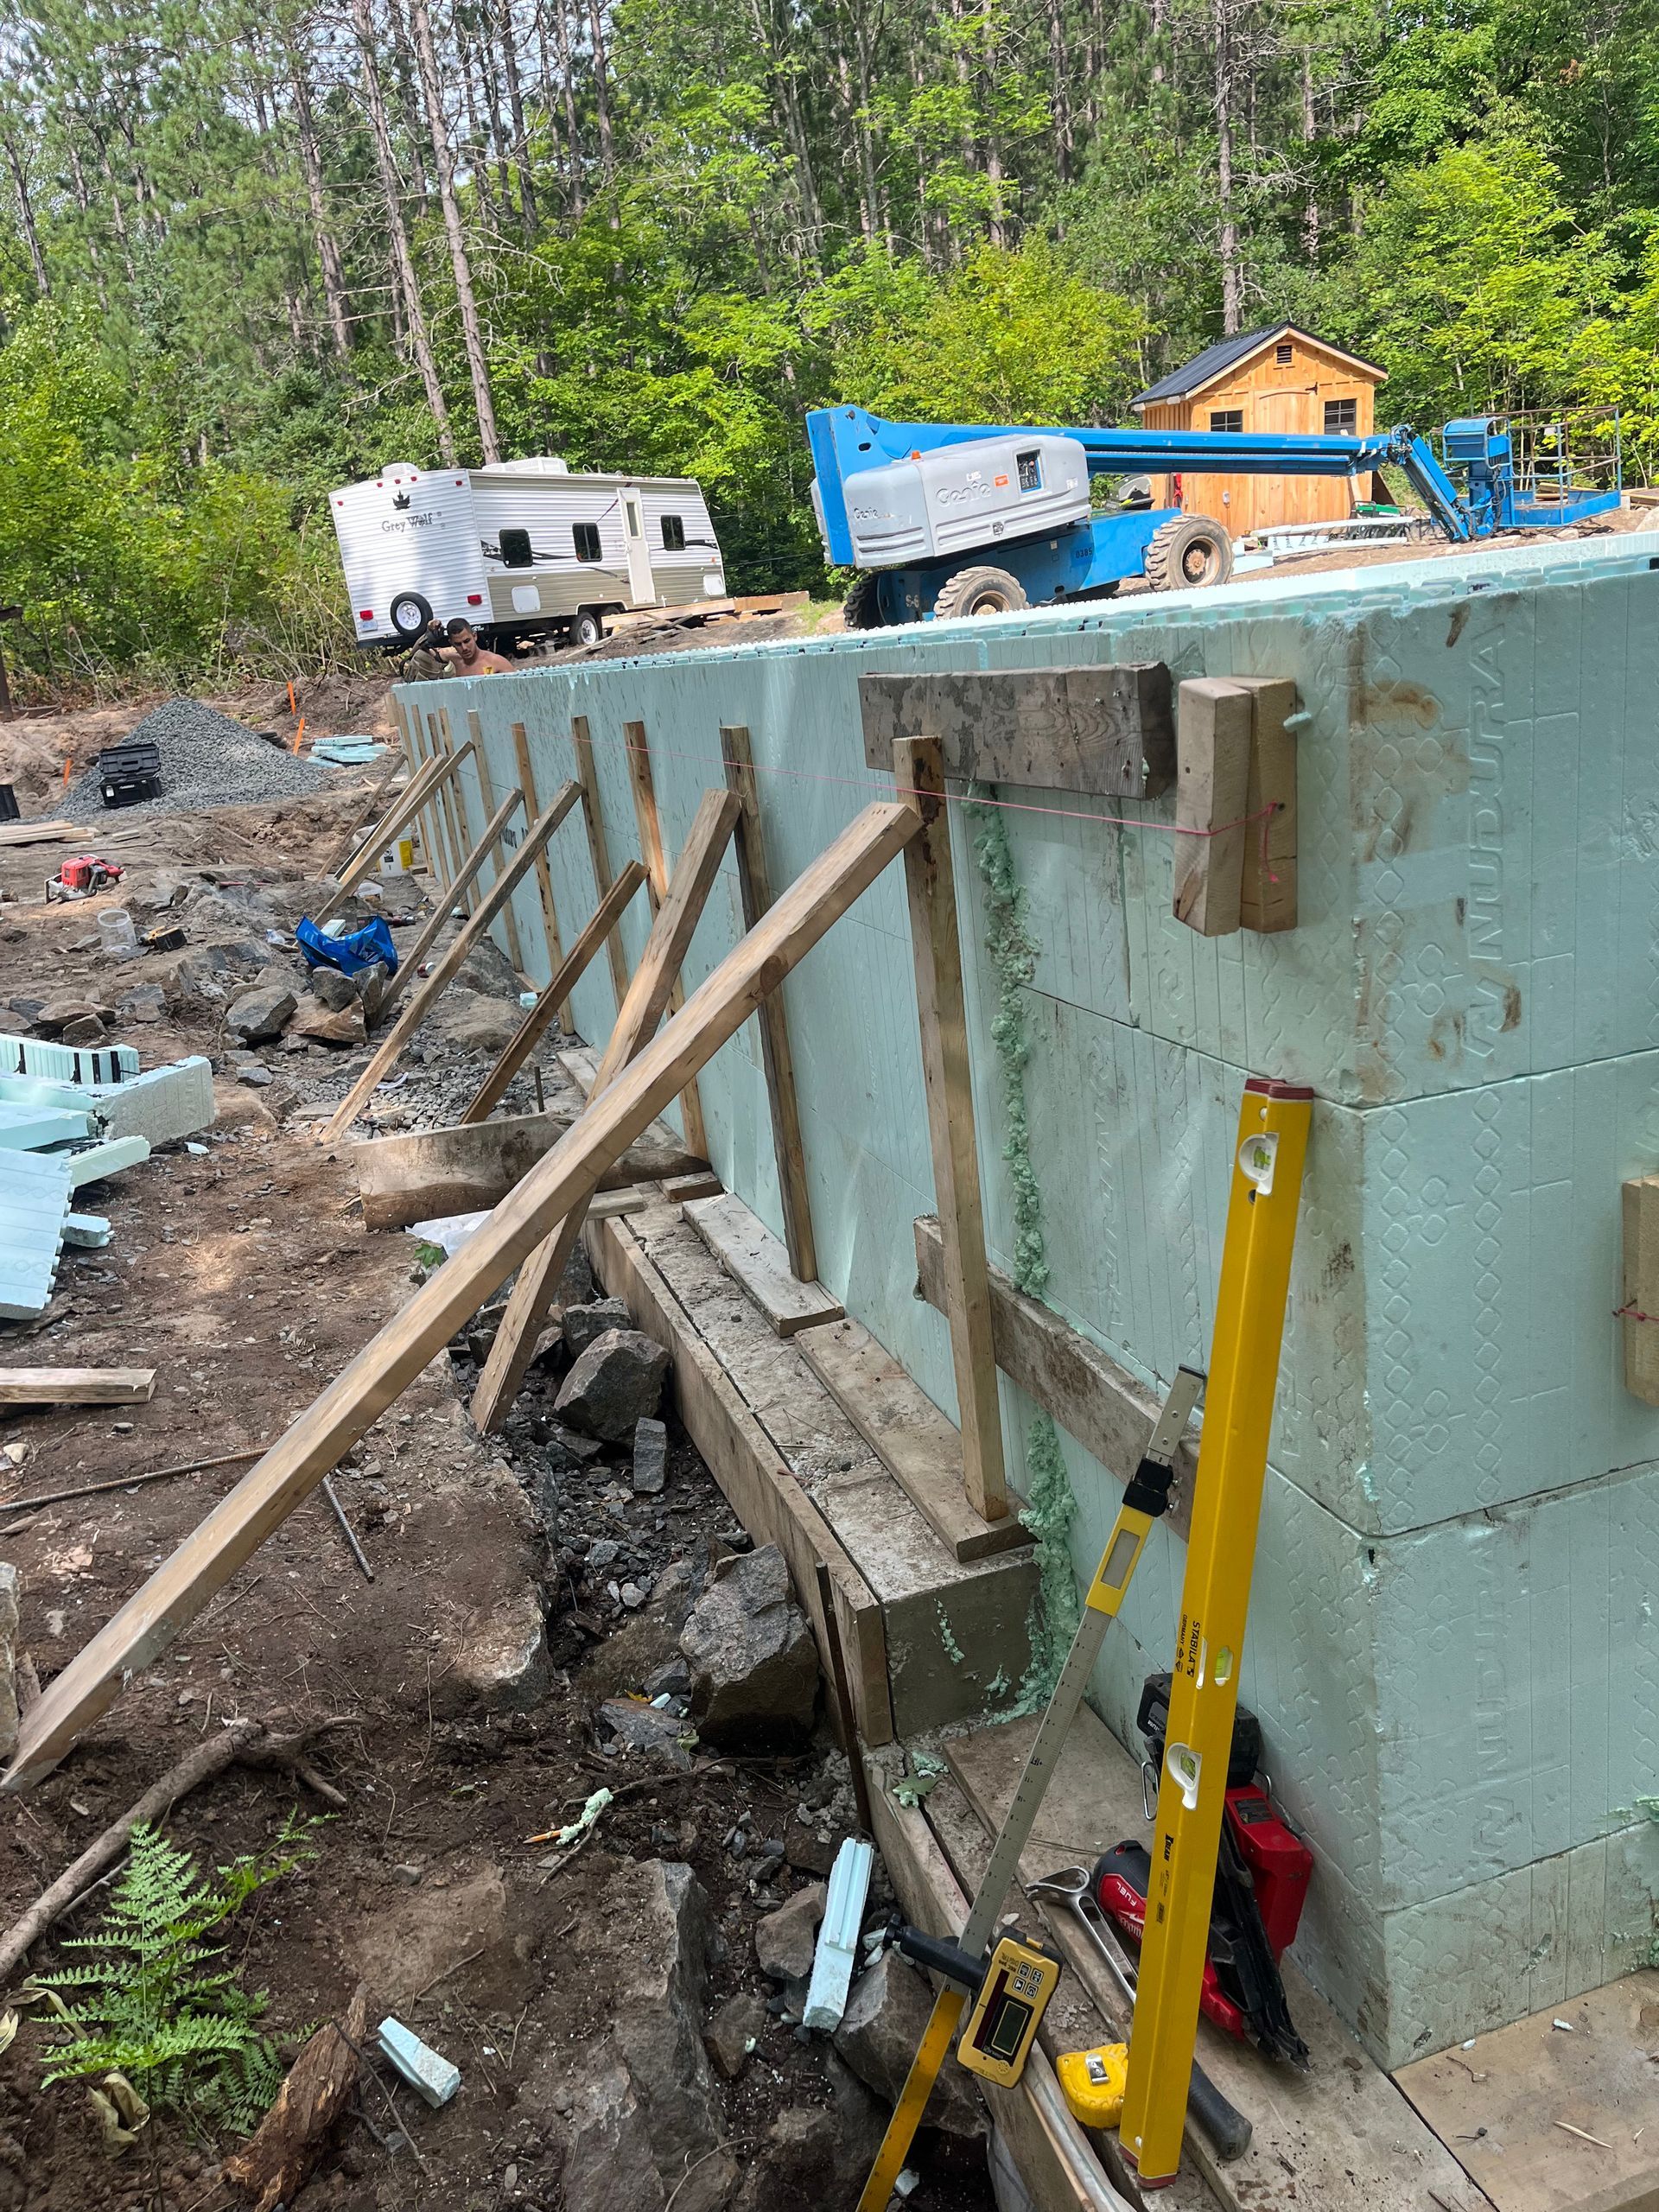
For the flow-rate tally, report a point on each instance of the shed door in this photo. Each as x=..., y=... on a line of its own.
x=642, y=588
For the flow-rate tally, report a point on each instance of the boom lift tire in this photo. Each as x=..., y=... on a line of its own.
x=862, y=608
x=980, y=591
x=1187, y=552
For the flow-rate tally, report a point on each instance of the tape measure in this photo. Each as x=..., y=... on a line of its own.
x=1092, y=2082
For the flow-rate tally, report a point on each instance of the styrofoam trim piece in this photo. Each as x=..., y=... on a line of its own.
x=89, y=1231
x=437, y=2079
x=161, y=1104
x=25, y=1129
x=106, y=1160
x=110, y=1063
x=838, y=1952
x=33, y=1203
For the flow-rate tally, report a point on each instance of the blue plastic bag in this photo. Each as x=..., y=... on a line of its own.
x=349, y=954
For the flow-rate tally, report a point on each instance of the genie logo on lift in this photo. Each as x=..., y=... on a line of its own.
x=962, y=495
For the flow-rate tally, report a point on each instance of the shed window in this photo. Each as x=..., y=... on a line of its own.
x=673, y=534
x=1228, y=419
x=515, y=549
x=1284, y=355
x=1341, y=418
x=586, y=535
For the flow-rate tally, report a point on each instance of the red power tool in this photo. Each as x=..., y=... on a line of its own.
x=1261, y=1877
x=82, y=877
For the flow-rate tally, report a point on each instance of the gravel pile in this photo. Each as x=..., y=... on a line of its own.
x=206, y=760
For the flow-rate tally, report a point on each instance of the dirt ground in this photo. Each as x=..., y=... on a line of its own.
x=240, y=1270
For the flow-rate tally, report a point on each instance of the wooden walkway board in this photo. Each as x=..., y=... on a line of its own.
x=1341, y=2133
x=1510, y=2100
x=76, y=1386
x=750, y=1254
x=919, y=1448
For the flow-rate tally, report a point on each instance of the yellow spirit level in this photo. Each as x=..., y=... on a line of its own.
x=1215, y=1600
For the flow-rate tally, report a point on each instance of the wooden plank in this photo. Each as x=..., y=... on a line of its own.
x=409, y=965
x=931, y=883
x=550, y=1000
x=598, y=848
x=777, y=1062
x=1507, y=2101
x=1212, y=785
x=448, y=962
x=763, y=1490
x=76, y=1386
x=176, y=1593
x=456, y=841
x=636, y=1023
x=919, y=1448
x=38, y=833
x=1104, y=731
x=752, y=1256
x=1102, y=1404
x=396, y=817
x=699, y=1183
x=1055, y=2163
x=415, y=1175
x=486, y=788
x=1267, y=900
x=426, y=820
x=637, y=748
x=1639, y=1303
x=1341, y=2133
x=374, y=799
x=544, y=874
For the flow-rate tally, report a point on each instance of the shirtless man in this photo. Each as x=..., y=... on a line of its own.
x=453, y=651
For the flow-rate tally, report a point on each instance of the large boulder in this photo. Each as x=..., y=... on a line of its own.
x=645, y=2106
x=264, y=1011
x=880, y=2032
x=785, y=1941
x=617, y=1383
x=754, y=1666
x=327, y=1024
x=584, y=1325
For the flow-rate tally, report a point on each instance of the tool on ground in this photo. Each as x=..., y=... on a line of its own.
x=1091, y=2081
x=83, y=877
x=1072, y=1890
x=1215, y=1603
x=1145, y=1500
x=1261, y=1877
x=358, y=1552
x=1010, y=1990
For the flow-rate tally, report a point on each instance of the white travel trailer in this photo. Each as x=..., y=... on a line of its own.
x=522, y=546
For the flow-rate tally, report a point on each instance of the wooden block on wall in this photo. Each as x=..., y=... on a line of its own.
x=1104, y=731
x=1268, y=889
x=1641, y=1295
x=1213, y=778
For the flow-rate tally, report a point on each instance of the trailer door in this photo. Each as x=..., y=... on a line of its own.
x=642, y=588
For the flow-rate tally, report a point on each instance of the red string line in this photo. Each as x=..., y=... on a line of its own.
x=1632, y=1313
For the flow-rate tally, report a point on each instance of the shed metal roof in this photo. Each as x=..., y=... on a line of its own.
x=1203, y=368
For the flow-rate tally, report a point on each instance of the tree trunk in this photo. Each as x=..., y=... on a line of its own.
x=407, y=75
x=567, y=81
x=403, y=261
x=1232, y=275
x=602, y=91
x=333, y=282
x=472, y=336
x=25, y=214
x=477, y=147
x=1060, y=90
x=1310, y=131
x=520, y=128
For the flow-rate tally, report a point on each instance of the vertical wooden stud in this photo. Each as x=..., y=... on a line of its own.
x=1639, y=1307
x=486, y=789
x=1267, y=890
x=459, y=815
x=650, y=852
x=1212, y=773
x=437, y=729
x=599, y=851
x=930, y=881
x=544, y=874
x=754, y=888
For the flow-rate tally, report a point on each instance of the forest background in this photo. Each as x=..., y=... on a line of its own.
x=250, y=252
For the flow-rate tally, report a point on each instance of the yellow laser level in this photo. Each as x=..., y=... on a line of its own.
x=1215, y=1600
x=1009, y=1992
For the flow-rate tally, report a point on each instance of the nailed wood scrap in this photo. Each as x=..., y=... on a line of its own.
x=76, y=1386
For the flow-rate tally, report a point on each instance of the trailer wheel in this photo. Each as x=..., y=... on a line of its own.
x=979, y=591
x=410, y=615
x=862, y=608
x=588, y=629
x=1188, y=552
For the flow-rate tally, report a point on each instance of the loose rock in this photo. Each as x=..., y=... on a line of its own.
x=325, y=1025
x=649, y=1458
x=260, y=1014
x=617, y=1382
x=332, y=990
x=584, y=1325
x=643, y=1729
x=880, y=2030
x=754, y=1666
x=88, y=1030
x=735, y=2033
x=785, y=1940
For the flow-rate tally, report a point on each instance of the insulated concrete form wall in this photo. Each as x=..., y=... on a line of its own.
x=1451, y=1649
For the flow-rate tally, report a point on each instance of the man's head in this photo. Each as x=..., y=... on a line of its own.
x=462, y=636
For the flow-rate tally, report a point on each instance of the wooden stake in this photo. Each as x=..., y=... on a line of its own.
x=648, y=994
x=1266, y=900
x=544, y=874
x=598, y=850
x=651, y=847
x=418, y=1008
x=374, y=799
x=754, y=888
x=410, y=964
x=565, y=978
x=453, y=798
x=183, y=1586
x=1211, y=790
x=939, y=1003
x=487, y=785
x=402, y=810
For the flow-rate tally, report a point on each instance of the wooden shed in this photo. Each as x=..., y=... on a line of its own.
x=1281, y=378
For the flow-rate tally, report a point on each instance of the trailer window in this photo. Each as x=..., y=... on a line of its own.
x=1341, y=418
x=586, y=535
x=673, y=534
x=1030, y=465
x=1230, y=420
x=515, y=549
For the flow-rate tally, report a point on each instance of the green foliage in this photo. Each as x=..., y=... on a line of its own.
x=151, y=2004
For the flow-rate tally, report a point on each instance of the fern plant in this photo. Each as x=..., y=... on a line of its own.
x=153, y=2005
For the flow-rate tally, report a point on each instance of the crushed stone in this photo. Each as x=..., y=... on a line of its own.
x=207, y=760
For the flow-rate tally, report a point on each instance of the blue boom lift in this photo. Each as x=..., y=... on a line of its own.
x=946, y=519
